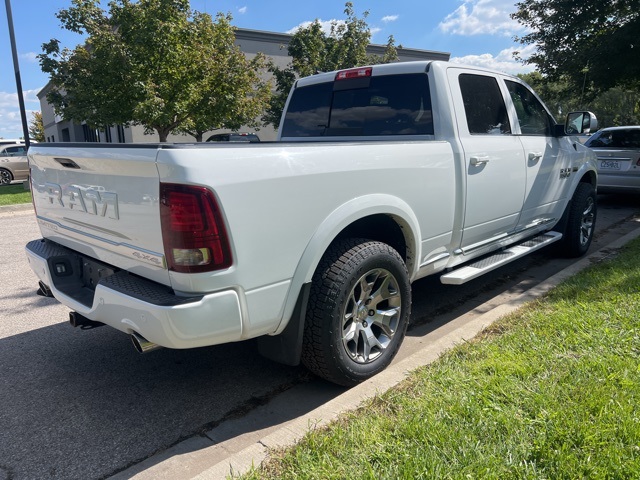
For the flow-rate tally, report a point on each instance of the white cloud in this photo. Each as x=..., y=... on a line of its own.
x=477, y=17
x=242, y=10
x=30, y=57
x=10, y=121
x=503, y=62
x=324, y=24
x=390, y=18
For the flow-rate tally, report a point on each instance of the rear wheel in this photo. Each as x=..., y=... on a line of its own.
x=580, y=222
x=5, y=177
x=358, y=311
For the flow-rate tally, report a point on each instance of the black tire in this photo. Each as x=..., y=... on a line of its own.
x=5, y=177
x=358, y=311
x=580, y=222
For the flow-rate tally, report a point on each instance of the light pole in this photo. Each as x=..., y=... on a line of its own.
x=16, y=67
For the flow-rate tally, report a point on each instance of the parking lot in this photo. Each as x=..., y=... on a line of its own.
x=85, y=404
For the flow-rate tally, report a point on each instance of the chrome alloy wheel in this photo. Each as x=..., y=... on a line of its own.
x=586, y=224
x=5, y=177
x=371, y=315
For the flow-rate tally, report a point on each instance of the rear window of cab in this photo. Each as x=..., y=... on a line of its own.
x=376, y=106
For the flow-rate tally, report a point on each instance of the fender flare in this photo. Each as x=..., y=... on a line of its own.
x=341, y=218
x=285, y=345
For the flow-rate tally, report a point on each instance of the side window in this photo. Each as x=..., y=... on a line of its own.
x=532, y=116
x=383, y=105
x=484, y=105
x=15, y=151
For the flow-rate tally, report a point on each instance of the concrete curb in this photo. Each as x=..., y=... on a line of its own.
x=21, y=207
x=292, y=431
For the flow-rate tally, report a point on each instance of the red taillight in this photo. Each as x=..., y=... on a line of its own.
x=354, y=73
x=193, y=231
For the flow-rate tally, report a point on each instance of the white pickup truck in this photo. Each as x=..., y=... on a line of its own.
x=381, y=175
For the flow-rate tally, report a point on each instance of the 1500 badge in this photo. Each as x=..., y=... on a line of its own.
x=83, y=199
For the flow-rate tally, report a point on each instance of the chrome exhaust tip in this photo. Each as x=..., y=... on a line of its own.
x=44, y=290
x=142, y=345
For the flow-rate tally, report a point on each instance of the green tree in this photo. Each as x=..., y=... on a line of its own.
x=312, y=51
x=590, y=43
x=152, y=63
x=232, y=91
x=36, y=127
x=616, y=106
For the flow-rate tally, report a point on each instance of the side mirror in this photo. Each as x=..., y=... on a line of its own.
x=579, y=123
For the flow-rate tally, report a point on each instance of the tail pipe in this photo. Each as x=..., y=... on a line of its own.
x=77, y=320
x=142, y=345
x=44, y=290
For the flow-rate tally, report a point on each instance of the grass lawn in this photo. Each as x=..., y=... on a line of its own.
x=14, y=194
x=551, y=391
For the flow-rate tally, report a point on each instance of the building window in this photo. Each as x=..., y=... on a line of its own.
x=65, y=135
x=107, y=135
x=120, y=129
x=89, y=134
x=53, y=138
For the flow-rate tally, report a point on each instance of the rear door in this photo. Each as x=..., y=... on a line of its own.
x=493, y=158
x=14, y=159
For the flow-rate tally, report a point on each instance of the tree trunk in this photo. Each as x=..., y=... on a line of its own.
x=163, y=133
x=198, y=136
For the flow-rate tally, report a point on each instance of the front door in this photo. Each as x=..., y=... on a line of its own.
x=548, y=159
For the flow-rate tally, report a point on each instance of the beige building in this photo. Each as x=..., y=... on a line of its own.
x=272, y=44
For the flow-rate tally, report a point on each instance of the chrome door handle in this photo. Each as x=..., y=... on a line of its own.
x=479, y=160
x=535, y=156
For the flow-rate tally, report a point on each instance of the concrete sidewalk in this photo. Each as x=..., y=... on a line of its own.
x=235, y=446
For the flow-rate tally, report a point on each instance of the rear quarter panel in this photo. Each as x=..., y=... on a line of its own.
x=277, y=198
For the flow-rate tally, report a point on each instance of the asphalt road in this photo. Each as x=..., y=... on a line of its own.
x=83, y=404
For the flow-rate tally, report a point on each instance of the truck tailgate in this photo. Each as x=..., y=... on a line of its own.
x=101, y=202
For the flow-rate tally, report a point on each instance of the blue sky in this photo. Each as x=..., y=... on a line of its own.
x=478, y=32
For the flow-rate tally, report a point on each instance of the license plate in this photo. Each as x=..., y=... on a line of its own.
x=609, y=165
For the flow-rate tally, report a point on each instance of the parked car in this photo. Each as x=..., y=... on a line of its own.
x=618, y=151
x=13, y=163
x=234, y=137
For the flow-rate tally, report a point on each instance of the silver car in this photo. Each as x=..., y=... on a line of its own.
x=618, y=151
x=13, y=163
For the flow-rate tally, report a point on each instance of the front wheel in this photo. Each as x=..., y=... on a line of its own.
x=359, y=308
x=580, y=221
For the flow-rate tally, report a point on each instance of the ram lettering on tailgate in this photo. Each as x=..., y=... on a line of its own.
x=86, y=199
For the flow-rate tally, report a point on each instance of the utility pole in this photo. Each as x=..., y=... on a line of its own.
x=16, y=67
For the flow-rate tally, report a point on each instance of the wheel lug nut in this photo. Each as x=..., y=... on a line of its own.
x=372, y=313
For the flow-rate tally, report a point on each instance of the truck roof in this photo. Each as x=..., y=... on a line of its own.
x=392, y=68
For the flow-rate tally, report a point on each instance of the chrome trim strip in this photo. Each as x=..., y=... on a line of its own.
x=126, y=250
